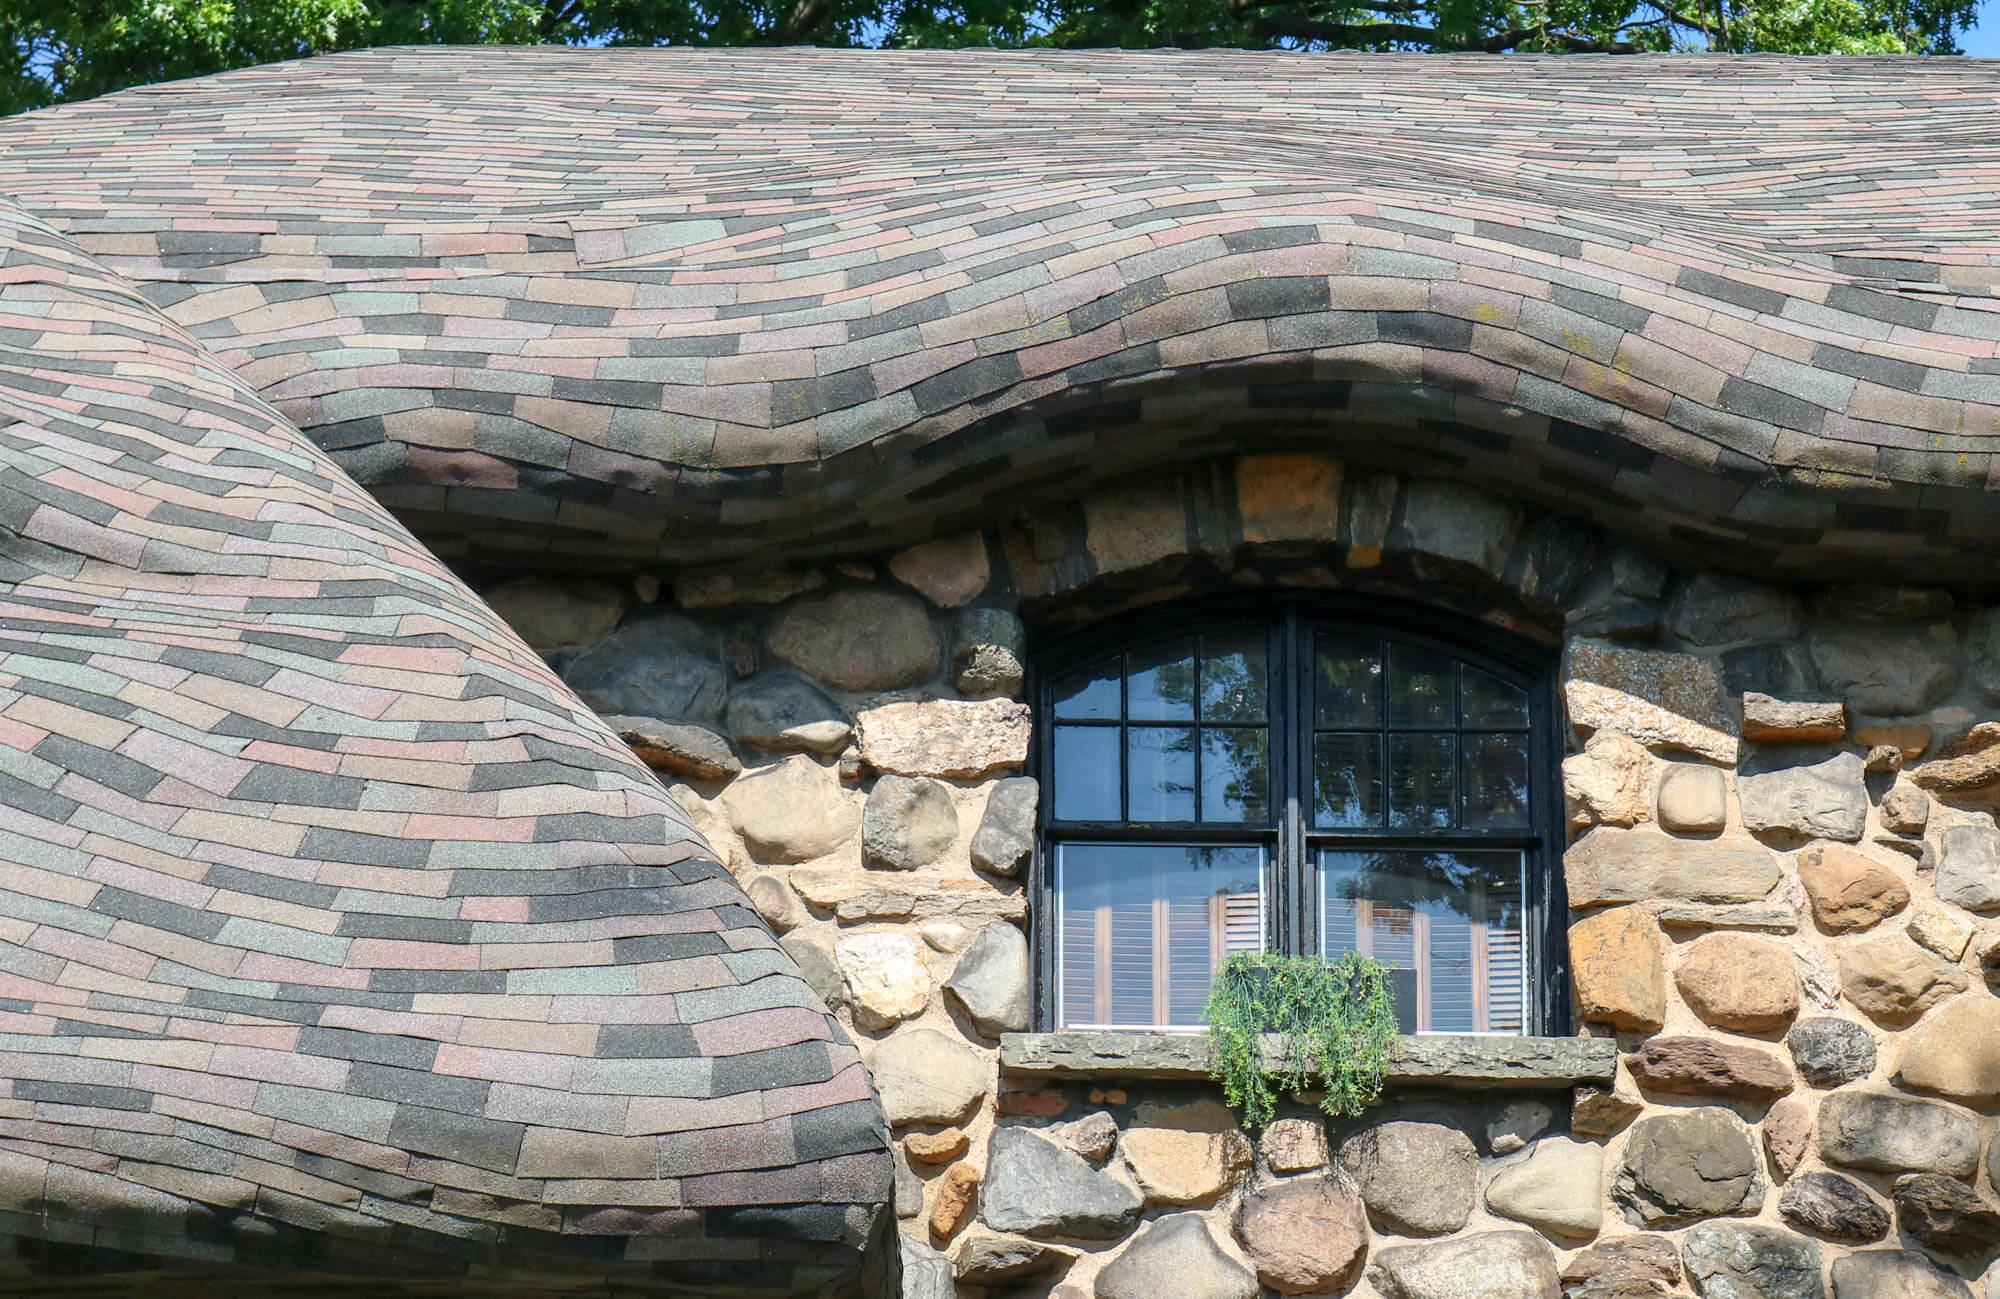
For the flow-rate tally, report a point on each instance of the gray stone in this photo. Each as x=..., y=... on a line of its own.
x=1488, y=1265
x=1968, y=872
x=1687, y=1165
x=1691, y=799
x=859, y=640
x=996, y=627
x=1039, y=1188
x=1886, y=671
x=1418, y=1179
x=1894, y=1274
x=985, y=1259
x=1639, y=574
x=1304, y=1235
x=1833, y=1206
x=909, y=1188
x=1735, y=1260
x=1446, y=1060
x=1825, y=801
x=1982, y=651
x=1906, y=809
x=1601, y=1111
x=1831, y=1051
x=1785, y=669
x=986, y=670
x=926, y=1272
x=1882, y=1132
x=1661, y=700
x=1175, y=1255
x=782, y=712
x=924, y=1076
x=552, y=615
x=1460, y=523
x=1944, y=1214
x=1783, y=721
x=664, y=667
x=1773, y=917
x=1610, y=865
x=907, y=823
x=1518, y=1123
x=991, y=981
x=816, y=963
x=1554, y=1187
x=1710, y=610
x=689, y=752
x=1006, y=835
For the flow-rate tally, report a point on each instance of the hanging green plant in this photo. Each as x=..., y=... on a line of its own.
x=1334, y=1020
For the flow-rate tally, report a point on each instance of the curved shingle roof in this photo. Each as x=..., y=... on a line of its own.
x=338, y=934
x=697, y=304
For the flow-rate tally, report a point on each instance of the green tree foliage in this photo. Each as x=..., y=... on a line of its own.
x=1333, y=1023
x=56, y=50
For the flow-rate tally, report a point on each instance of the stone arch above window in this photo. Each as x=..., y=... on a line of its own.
x=1300, y=774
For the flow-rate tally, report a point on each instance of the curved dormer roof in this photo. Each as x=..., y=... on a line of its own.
x=678, y=304
x=339, y=936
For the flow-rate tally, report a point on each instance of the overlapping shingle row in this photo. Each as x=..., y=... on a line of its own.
x=335, y=933
x=677, y=305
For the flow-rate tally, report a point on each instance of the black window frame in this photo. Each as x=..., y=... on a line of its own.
x=1291, y=907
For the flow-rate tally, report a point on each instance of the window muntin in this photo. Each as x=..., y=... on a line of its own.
x=1384, y=777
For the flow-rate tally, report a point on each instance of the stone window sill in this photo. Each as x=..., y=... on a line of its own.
x=1442, y=1060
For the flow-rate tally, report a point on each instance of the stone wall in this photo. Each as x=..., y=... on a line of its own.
x=1782, y=877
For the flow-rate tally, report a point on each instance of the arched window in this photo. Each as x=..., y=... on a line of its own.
x=1303, y=777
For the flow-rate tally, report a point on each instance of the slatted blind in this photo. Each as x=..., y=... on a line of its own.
x=1138, y=947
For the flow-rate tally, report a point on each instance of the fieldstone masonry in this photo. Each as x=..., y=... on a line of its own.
x=1779, y=912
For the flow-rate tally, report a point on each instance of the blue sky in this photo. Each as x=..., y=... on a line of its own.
x=1983, y=41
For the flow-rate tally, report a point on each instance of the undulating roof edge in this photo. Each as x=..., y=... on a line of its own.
x=339, y=937
x=690, y=306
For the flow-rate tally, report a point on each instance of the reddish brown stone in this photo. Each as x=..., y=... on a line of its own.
x=1040, y=1105
x=1788, y=1132
x=1700, y=1066
x=936, y=1147
x=1848, y=890
x=1737, y=982
x=955, y=1190
x=1304, y=1235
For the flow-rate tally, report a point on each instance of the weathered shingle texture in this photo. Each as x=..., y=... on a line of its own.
x=628, y=305
x=335, y=933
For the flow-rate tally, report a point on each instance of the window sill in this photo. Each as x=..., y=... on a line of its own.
x=1443, y=1060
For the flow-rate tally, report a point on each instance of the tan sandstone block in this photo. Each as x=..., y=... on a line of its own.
x=1615, y=962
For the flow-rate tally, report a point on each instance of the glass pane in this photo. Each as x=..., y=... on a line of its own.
x=1091, y=692
x=1449, y=923
x=1159, y=682
x=1140, y=929
x=1488, y=701
x=1233, y=677
x=1422, y=788
x=1420, y=687
x=1347, y=682
x=1086, y=773
x=1347, y=780
x=1160, y=772
x=1496, y=781
x=1235, y=773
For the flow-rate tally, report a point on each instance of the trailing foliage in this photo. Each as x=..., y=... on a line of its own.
x=1334, y=1021
x=55, y=50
